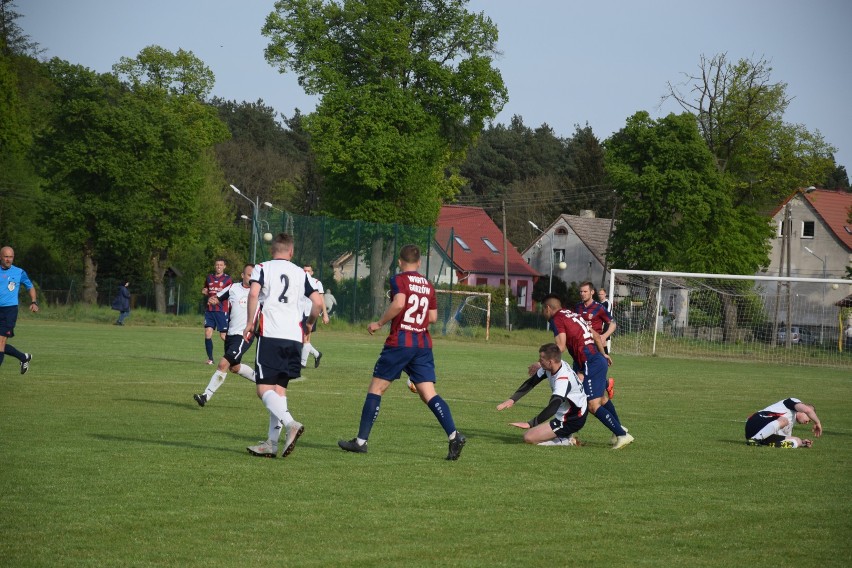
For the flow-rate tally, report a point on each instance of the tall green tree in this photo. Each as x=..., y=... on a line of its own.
x=405, y=86
x=679, y=212
x=740, y=113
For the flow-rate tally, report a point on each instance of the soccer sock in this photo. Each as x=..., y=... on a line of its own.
x=215, y=382
x=247, y=372
x=314, y=352
x=441, y=410
x=369, y=413
x=208, y=344
x=611, y=407
x=306, y=350
x=14, y=353
x=2, y=356
x=277, y=405
x=604, y=416
x=275, y=428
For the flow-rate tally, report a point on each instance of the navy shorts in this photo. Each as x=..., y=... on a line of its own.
x=417, y=362
x=8, y=319
x=277, y=361
x=564, y=429
x=216, y=320
x=235, y=347
x=594, y=376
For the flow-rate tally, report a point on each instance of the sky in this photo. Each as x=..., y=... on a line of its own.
x=564, y=62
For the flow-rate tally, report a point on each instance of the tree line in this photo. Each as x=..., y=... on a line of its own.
x=126, y=173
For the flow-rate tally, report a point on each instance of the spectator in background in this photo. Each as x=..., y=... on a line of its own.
x=121, y=303
x=330, y=301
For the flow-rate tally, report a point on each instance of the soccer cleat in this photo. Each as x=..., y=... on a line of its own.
x=201, y=399
x=456, y=445
x=613, y=439
x=295, y=430
x=622, y=441
x=610, y=387
x=752, y=442
x=209, y=361
x=25, y=364
x=264, y=450
x=317, y=359
x=569, y=441
x=353, y=446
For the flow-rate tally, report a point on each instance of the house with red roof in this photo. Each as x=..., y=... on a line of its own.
x=471, y=245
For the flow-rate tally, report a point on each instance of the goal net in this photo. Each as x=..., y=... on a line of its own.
x=720, y=316
x=463, y=313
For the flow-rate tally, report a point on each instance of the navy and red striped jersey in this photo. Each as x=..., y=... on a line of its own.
x=410, y=327
x=578, y=336
x=215, y=285
x=595, y=314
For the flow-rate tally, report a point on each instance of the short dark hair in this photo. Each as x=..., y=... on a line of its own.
x=409, y=254
x=589, y=284
x=282, y=242
x=551, y=351
x=552, y=300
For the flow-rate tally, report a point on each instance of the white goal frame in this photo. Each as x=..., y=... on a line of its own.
x=788, y=302
x=451, y=321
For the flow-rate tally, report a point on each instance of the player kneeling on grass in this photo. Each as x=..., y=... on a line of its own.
x=773, y=425
x=567, y=406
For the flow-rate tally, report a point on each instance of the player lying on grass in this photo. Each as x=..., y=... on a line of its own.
x=565, y=414
x=773, y=426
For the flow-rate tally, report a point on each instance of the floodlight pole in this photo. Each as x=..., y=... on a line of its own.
x=550, y=280
x=254, y=225
x=824, y=276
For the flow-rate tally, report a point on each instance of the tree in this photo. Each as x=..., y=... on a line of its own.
x=405, y=86
x=740, y=112
x=13, y=41
x=679, y=212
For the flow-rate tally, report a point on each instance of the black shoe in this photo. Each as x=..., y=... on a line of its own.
x=456, y=445
x=201, y=399
x=317, y=359
x=25, y=364
x=352, y=446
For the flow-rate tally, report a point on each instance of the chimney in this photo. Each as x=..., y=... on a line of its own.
x=587, y=214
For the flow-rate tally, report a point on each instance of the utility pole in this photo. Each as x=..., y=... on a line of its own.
x=506, y=265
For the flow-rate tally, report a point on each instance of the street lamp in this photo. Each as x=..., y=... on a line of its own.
x=254, y=228
x=550, y=281
x=822, y=318
x=286, y=217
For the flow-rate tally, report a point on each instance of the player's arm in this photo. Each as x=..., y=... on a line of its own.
x=525, y=387
x=599, y=343
x=610, y=329
x=316, y=309
x=251, y=307
x=809, y=410
x=549, y=410
x=32, y=291
x=396, y=306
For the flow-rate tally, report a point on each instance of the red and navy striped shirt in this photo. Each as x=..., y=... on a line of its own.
x=215, y=285
x=578, y=336
x=595, y=314
x=410, y=327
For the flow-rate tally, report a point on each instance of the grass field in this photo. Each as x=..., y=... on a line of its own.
x=105, y=460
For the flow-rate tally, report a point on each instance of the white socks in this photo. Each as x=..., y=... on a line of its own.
x=215, y=382
x=246, y=372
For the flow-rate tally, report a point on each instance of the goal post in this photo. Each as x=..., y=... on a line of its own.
x=464, y=313
x=789, y=320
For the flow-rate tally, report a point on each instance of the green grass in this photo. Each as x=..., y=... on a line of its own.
x=105, y=460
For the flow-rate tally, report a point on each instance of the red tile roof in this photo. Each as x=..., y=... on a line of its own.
x=832, y=206
x=472, y=225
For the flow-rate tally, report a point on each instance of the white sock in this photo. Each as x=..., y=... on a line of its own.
x=275, y=428
x=314, y=352
x=277, y=405
x=215, y=382
x=306, y=350
x=247, y=372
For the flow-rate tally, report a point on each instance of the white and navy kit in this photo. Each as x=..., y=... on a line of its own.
x=763, y=426
x=279, y=344
x=568, y=402
x=235, y=344
x=307, y=305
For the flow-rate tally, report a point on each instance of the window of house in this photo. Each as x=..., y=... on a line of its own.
x=558, y=255
x=490, y=245
x=480, y=281
x=561, y=231
x=808, y=229
x=462, y=244
x=522, y=292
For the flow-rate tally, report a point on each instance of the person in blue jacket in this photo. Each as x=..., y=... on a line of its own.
x=121, y=303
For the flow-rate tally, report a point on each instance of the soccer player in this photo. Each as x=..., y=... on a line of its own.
x=11, y=279
x=307, y=348
x=276, y=286
x=773, y=426
x=216, y=313
x=567, y=407
x=586, y=348
x=595, y=314
x=407, y=348
x=236, y=296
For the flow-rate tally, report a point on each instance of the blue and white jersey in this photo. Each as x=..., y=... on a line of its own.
x=566, y=384
x=282, y=286
x=11, y=280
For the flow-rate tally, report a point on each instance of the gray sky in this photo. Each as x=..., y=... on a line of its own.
x=565, y=62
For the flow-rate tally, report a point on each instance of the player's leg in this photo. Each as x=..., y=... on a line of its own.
x=209, y=323
x=540, y=434
x=235, y=347
x=277, y=362
x=388, y=368
x=421, y=369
